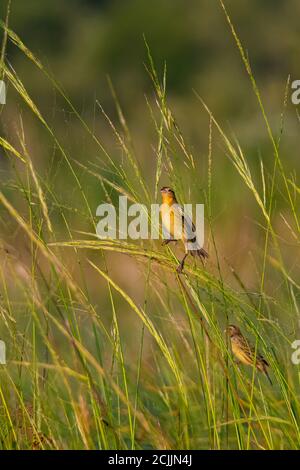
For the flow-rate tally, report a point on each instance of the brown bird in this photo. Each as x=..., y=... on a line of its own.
x=245, y=352
x=178, y=225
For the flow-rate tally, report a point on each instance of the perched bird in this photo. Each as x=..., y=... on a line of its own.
x=245, y=352
x=178, y=225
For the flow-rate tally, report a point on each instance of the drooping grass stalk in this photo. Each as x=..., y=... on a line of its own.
x=180, y=388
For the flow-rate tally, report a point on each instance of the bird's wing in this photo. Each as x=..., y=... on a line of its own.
x=256, y=354
x=242, y=348
x=260, y=358
x=188, y=228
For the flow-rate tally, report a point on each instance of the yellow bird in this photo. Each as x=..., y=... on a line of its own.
x=179, y=226
x=245, y=352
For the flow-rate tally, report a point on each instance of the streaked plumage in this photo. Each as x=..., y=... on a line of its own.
x=173, y=216
x=245, y=352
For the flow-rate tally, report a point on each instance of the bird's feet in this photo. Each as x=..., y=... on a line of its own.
x=167, y=241
x=179, y=268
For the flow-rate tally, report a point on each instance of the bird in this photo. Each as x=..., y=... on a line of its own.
x=178, y=225
x=245, y=352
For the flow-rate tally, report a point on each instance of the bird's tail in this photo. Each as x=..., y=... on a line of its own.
x=200, y=252
x=265, y=370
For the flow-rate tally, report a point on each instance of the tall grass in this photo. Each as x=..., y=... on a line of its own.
x=69, y=381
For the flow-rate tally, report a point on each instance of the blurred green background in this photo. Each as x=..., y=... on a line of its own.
x=82, y=43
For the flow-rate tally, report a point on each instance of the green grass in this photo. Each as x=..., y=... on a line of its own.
x=91, y=365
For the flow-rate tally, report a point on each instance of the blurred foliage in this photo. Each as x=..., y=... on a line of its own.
x=82, y=42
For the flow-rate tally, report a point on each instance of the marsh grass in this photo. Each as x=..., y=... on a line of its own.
x=69, y=381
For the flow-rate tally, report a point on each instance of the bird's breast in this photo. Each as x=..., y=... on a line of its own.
x=171, y=221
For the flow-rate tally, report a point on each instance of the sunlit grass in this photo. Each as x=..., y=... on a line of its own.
x=69, y=381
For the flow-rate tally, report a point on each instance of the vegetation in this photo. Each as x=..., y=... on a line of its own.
x=107, y=346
